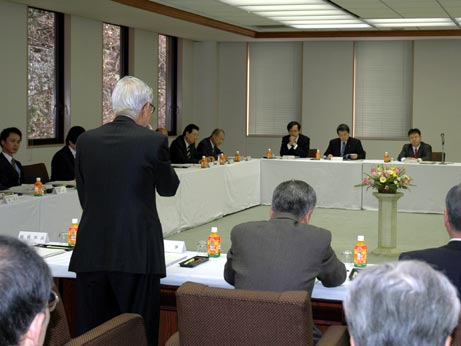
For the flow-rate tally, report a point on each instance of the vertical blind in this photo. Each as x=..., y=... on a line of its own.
x=275, y=75
x=384, y=87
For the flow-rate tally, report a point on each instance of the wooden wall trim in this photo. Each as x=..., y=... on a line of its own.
x=216, y=24
x=187, y=16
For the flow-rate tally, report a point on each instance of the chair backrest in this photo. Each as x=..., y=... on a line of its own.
x=57, y=333
x=437, y=156
x=228, y=317
x=31, y=172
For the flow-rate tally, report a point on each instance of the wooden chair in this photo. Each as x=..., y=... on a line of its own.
x=234, y=317
x=437, y=156
x=122, y=330
x=32, y=172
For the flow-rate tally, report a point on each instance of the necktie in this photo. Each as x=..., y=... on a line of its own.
x=343, y=148
x=13, y=163
x=416, y=152
x=188, y=152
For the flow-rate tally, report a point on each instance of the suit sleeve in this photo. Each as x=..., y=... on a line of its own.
x=78, y=175
x=427, y=154
x=359, y=150
x=333, y=271
x=402, y=153
x=229, y=273
x=166, y=177
x=283, y=147
x=329, y=149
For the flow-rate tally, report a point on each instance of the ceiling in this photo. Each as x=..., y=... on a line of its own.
x=214, y=20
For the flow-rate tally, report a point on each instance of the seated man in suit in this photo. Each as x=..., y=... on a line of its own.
x=10, y=169
x=401, y=303
x=182, y=149
x=209, y=147
x=285, y=253
x=25, y=294
x=447, y=257
x=345, y=146
x=63, y=162
x=295, y=143
x=415, y=149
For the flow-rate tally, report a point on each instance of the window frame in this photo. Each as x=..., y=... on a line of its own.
x=61, y=109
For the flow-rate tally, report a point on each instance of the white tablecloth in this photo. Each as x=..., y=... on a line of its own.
x=333, y=181
x=203, y=195
x=209, y=273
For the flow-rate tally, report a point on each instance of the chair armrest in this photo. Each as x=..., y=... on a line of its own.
x=124, y=329
x=335, y=336
x=173, y=340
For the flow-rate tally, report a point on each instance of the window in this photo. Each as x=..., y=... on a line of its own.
x=167, y=83
x=45, y=104
x=274, y=86
x=114, y=64
x=383, y=89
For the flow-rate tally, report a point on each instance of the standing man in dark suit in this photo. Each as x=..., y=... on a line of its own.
x=10, y=169
x=285, y=253
x=209, y=147
x=345, y=146
x=295, y=143
x=182, y=149
x=63, y=162
x=446, y=258
x=119, y=255
x=416, y=149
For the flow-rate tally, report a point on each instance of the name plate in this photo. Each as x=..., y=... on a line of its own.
x=175, y=246
x=11, y=199
x=34, y=237
x=59, y=189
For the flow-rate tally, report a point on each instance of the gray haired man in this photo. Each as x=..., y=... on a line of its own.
x=25, y=294
x=286, y=252
x=401, y=303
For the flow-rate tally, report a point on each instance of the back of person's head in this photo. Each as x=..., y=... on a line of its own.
x=293, y=123
x=189, y=128
x=6, y=132
x=342, y=127
x=73, y=134
x=453, y=207
x=25, y=287
x=414, y=131
x=402, y=303
x=130, y=95
x=295, y=197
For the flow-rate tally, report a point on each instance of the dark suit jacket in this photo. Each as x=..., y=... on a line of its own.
x=424, y=152
x=282, y=254
x=119, y=167
x=178, y=153
x=445, y=258
x=8, y=175
x=205, y=148
x=63, y=165
x=302, y=150
x=353, y=146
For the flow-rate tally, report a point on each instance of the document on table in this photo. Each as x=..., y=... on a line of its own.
x=44, y=252
x=172, y=258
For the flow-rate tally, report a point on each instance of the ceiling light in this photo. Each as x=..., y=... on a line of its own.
x=261, y=8
x=332, y=26
x=325, y=22
x=410, y=22
x=271, y=2
x=300, y=13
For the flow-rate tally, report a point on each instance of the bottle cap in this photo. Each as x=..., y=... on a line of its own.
x=203, y=156
x=361, y=238
x=74, y=220
x=214, y=229
x=237, y=152
x=38, y=179
x=269, y=149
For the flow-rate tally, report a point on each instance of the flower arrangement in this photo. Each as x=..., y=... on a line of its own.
x=387, y=179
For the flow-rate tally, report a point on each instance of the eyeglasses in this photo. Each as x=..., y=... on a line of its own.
x=53, y=300
x=151, y=108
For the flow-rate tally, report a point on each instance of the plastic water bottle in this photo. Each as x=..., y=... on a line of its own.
x=360, y=253
x=214, y=243
x=269, y=153
x=72, y=233
x=237, y=156
x=38, y=187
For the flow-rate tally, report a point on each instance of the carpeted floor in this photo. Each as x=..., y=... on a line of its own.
x=415, y=231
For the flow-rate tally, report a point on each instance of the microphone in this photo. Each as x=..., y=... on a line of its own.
x=442, y=136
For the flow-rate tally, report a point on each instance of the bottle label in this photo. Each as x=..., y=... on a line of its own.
x=214, y=246
x=360, y=256
x=72, y=235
